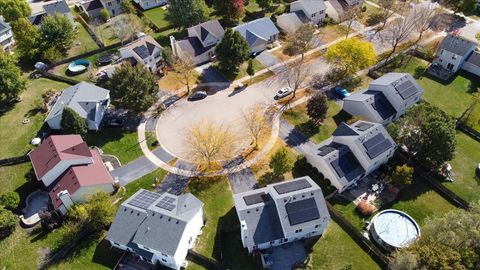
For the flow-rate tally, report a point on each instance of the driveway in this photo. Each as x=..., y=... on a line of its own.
x=267, y=59
x=209, y=74
x=176, y=184
x=241, y=181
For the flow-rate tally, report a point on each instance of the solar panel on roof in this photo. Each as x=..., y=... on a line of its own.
x=167, y=203
x=363, y=126
x=346, y=164
x=406, y=89
x=142, y=51
x=144, y=199
x=302, y=211
x=292, y=186
x=377, y=145
x=256, y=198
x=382, y=105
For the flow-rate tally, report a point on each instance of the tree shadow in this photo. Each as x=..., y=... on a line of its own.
x=309, y=129
x=269, y=178
x=106, y=255
x=7, y=105
x=27, y=188
x=301, y=168
x=418, y=72
x=341, y=117
x=38, y=234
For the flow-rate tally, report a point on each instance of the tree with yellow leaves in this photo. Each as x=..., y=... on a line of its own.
x=351, y=55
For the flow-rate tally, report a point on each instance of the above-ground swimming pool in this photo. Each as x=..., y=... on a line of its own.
x=393, y=229
x=78, y=66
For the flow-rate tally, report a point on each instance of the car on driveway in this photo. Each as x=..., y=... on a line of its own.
x=342, y=91
x=283, y=93
x=197, y=95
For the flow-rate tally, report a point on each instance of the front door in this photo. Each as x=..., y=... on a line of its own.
x=450, y=66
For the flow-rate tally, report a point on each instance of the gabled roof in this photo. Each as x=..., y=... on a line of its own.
x=292, y=19
x=212, y=27
x=55, y=149
x=457, y=45
x=262, y=29
x=192, y=46
x=80, y=176
x=474, y=59
x=92, y=5
x=154, y=220
x=4, y=27
x=142, y=48
x=312, y=6
x=57, y=7
x=82, y=98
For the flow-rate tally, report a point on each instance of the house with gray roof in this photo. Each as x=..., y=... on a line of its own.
x=336, y=9
x=281, y=213
x=201, y=42
x=6, y=36
x=312, y=10
x=144, y=51
x=452, y=54
x=92, y=8
x=386, y=99
x=158, y=228
x=88, y=100
x=353, y=152
x=259, y=33
x=52, y=8
x=149, y=4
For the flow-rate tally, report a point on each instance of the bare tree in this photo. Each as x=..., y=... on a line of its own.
x=388, y=8
x=350, y=15
x=125, y=26
x=300, y=41
x=423, y=16
x=397, y=32
x=208, y=141
x=296, y=74
x=185, y=69
x=255, y=121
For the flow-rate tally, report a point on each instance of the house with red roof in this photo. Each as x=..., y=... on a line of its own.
x=70, y=170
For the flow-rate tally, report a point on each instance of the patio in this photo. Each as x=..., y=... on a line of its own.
x=371, y=189
x=439, y=72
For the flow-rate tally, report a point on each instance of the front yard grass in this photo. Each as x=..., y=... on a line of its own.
x=298, y=117
x=242, y=70
x=173, y=81
x=467, y=155
x=83, y=42
x=122, y=144
x=158, y=16
x=335, y=249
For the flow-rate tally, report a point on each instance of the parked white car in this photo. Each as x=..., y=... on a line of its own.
x=283, y=93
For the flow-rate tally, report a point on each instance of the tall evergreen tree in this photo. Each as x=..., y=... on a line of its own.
x=186, y=13
x=72, y=123
x=232, y=51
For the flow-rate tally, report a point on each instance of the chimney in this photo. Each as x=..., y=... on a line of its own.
x=173, y=45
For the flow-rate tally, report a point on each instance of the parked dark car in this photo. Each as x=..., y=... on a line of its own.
x=197, y=95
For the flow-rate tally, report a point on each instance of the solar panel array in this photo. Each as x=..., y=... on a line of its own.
x=346, y=164
x=292, y=186
x=406, y=89
x=142, y=51
x=256, y=198
x=362, y=126
x=377, y=145
x=167, y=203
x=144, y=199
x=302, y=211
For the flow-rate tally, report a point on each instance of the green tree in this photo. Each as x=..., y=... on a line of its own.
x=128, y=7
x=72, y=123
x=10, y=200
x=264, y=4
x=250, y=69
x=282, y=161
x=351, y=55
x=11, y=80
x=57, y=33
x=300, y=41
x=7, y=221
x=232, y=10
x=104, y=14
x=402, y=175
x=186, y=13
x=27, y=39
x=232, y=51
x=317, y=108
x=133, y=88
x=465, y=6
x=428, y=132
x=12, y=10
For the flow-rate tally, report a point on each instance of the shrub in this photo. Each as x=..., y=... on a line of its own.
x=9, y=200
x=104, y=14
x=374, y=19
x=7, y=222
x=282, y=161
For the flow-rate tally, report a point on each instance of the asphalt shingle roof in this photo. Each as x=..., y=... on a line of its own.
x=257, y=29
x=313, y=6
x=457, y=45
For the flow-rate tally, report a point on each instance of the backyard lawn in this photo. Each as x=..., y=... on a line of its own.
x=335, y=249
x=83, y=42
x=467, y=156
x=120, y=143
x=298, y=117
x=158, y=16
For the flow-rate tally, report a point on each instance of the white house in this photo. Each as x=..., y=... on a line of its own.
x=6, y=36
x=452, y=55
x=148, y=4
x=289, y=22
x=335, y=9
x=281, y=213
x=88, y=100
x=386, y=99
x=69, y=170
x=92, y=8
x=144, y=51
x=258, y=33
x=312, y=10
x=201, y=42
x=57, y=7
x=353, y=152
x=159, y=228
x=472, y=64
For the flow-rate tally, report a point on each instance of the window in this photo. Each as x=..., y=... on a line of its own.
x=146, y=248
x=272, y=242
x=314, y=14
x=316, y=226
x=454, y=57
x=118, y=1
x=163, y=260
x=255, y=247
x=163, y=254
x=299, y=230
x=285, y=240
x=109, y=4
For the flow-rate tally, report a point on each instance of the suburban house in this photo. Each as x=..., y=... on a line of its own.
x=88, y=100
x=302, y=11
x=336, y=9
x=289, y=22
x=6, y=36
x=158, y=228
x=281, y=213
x=455, y=53
x=145, y=51
x=60, y=7
x=353, y=152
x=70, y=170
x=148, y=4
x=386, y=99
x=258, y=33
x=201, y=42
x=92, y=8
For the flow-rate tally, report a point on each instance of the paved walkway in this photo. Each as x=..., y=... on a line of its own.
x=174, y=183
x=243, y=180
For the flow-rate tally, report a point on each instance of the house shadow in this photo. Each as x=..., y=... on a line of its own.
x=295, y=138
x=301, y=168
x=342, y=117
x=106, y=255
x=31, y=185
x=270, y=178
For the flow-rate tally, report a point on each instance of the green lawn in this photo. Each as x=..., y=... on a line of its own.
x=120, y=143
x=453, y=97
x=83, y=42
x=467, y=156
x=298, y=117
x=348, y=210
x=163, y=38
x=106, y=35
x=157, y=16
x=335, y=249
x=242, y=71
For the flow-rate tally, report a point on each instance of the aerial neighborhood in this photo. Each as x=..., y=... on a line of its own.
x=240, y=134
